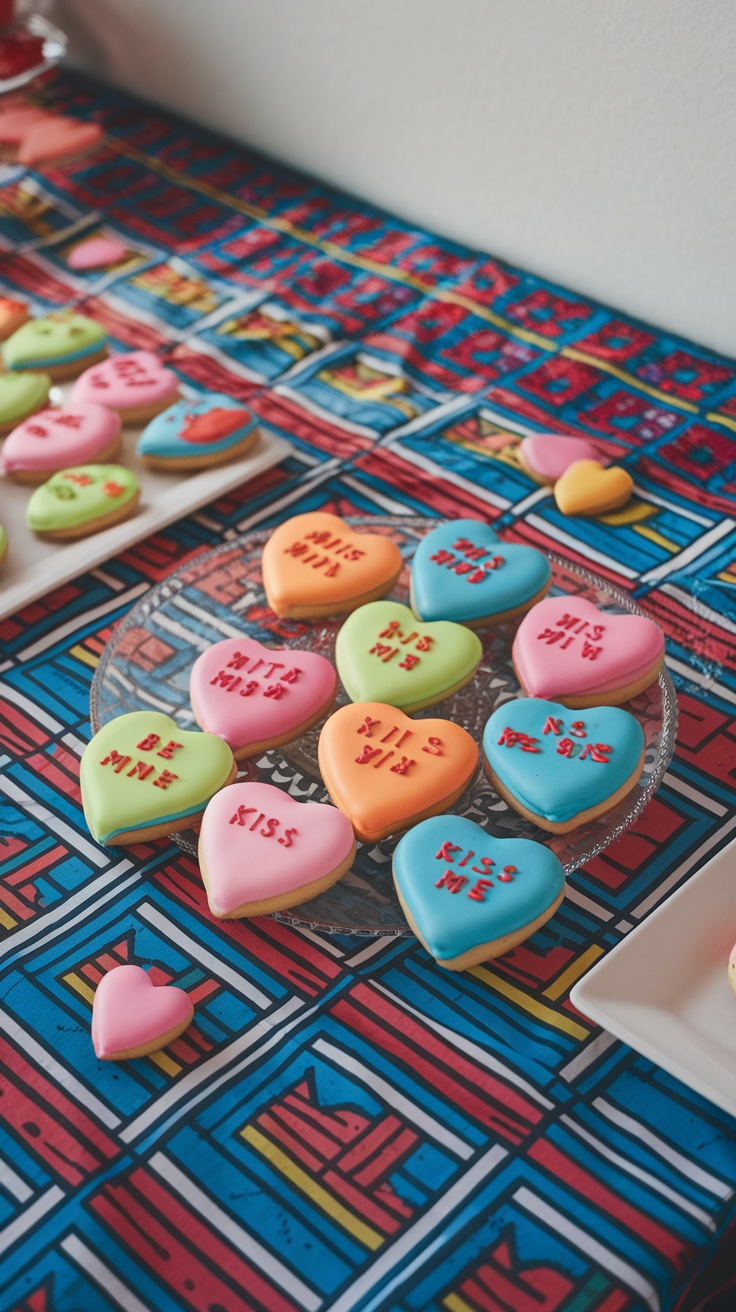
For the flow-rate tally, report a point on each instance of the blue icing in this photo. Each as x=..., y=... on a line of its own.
x=506, y=577
x=162, y=436
x=452, y=922
x=553, y=775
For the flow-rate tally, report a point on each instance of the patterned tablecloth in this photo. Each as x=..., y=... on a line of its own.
x=346, y=1127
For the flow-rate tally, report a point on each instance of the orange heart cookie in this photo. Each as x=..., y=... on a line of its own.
x=387, y=772
x=586, y=488
x=316, y=564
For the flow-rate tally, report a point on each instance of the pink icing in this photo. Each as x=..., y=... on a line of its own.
x=96, y=253
x=130, y=1011
x=56, y=138
x=54, y=439
x=248, y=859
x=597, y=653
x=15, y=122
x=550, y=454
x=247, y=693
x=127, y=382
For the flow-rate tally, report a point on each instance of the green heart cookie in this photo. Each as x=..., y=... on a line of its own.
x=385, y=654
x=142, y=774
x=21, y=395
x=53, y=340
x=79, y=496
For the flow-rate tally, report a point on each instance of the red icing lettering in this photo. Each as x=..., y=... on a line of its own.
x=165, y=778
x=513, y=738
x=552, y=725
x=368, y=726
x=452, y=881
x=408, y=662
x=286, y=839
x=478, y=891
x=117, y=761
x=433, y=747
x=148, y=743
x=403, y=766
x=168, y=751
x=507, y=874
x=446, y=851
x=141, y=770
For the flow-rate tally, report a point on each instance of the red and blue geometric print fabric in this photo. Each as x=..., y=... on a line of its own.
x=341, y=1128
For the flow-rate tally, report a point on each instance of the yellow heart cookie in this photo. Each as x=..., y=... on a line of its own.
x=586, y=488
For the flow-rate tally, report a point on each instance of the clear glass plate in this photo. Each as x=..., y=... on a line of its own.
x=220, y=594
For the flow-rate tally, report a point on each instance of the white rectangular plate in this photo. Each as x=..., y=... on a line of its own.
x=664, y=990
x=34, y=565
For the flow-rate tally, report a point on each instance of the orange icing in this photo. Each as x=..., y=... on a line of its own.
x=317, y=562
x=586, y=488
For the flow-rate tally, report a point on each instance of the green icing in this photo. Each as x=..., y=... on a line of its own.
x=53, y=340
x=21, y=394
x=3, y=541
x=141, y=769
x=78, y=495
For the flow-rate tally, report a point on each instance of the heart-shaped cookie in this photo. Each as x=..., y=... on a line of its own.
x=194, y=434
x=55, y=439
x=561, y=768
x=257, y=697
x=132, y=1016
x=546, y=456
x=384, y=654
x=13, y=314
x=469, y=896
x=142, y=776
x=462, y=572
x=316, y=564
x=97, y=253
x=261, y=851
x=586, y=488
x=54, y=140
x=137, y=385
x=60, y=344
x=16, y=121
x=569, y=650
x=387, y=772
x=21, y=395
x=82, y=500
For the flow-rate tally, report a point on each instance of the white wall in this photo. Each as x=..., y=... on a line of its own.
x=591, y=141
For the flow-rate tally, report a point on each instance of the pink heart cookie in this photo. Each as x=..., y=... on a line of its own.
x=257, y=697
x=260, y=851
x=568, y=650
x=136, y=385
x=57, y=439
x=96, y=253
x=546, y=456
x=16, y=120
x=54, y=139
x=131, y=1016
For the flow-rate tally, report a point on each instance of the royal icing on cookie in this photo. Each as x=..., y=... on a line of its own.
x=12, y=315
x=57, y=339
x=384, y=654
x=55, y=439
x=258, y=845
x=97, y=253
x=462, y=888
x=253, y=696
x=21, y=395
x=209, y=425
x=558, y=763
x=55, y=139
x=317, y=564
x=462, y=572
x=586, y=488
x=567, y=647
x=16, y=121
x=386, y=771
x=548, y=455
x=131, y=1016
x=136, y=381
x=77, y=496
x=142, y=771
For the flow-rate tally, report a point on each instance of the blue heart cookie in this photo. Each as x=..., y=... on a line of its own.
x=462, y=572
x=558, y=765
x=205, y=431
x=469, y=896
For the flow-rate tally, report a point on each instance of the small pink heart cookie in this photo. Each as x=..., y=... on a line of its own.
x=260, y=851
x=137, y=385
x=546, y=456
x=55, y=140
x=569, y=651
x=131, y=1016
x=257, y=697
x=97, y=253
x=57, y=439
